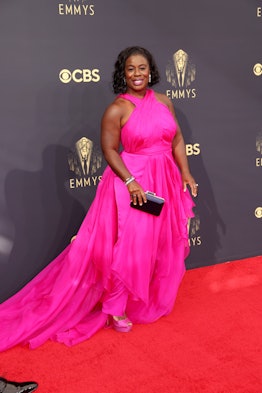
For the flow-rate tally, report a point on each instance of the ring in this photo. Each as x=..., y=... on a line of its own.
x=134, y=195
x=196, y=185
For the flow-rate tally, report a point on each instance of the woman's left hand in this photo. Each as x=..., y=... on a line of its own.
x=189, y=180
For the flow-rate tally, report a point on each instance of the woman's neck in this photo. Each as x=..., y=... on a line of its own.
x=138, y=94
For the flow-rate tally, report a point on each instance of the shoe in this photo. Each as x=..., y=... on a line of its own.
x=17, y=387
x=122, y=324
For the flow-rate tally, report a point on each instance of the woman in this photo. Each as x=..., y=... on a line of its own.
x=125, y=265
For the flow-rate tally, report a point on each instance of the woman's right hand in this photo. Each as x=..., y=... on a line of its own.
x=137, y=194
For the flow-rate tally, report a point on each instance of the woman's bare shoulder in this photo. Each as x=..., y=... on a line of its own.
x=165, y=100
x=162, y=98
x=116, y=107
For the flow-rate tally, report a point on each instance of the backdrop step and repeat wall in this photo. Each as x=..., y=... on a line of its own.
x=57, y=58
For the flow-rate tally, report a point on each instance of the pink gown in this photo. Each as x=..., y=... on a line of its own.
x=146, y=253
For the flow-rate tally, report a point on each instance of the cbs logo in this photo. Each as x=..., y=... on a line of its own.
x=79, y=76
x=193, y=150
x=257, y=69
x=258, y=212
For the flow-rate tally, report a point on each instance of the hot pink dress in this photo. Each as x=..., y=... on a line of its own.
x=147, y=253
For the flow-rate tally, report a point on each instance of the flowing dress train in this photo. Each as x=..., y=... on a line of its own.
x=146, y=253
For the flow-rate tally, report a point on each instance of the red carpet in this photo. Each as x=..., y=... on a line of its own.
x=210, y=343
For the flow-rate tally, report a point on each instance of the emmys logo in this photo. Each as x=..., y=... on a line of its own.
x=257, y=69
x=259, y=149
x=181, y=73
x=258, y=212
x=79, y=76
x=76, y=7
x=193, y=230
x=84, y=160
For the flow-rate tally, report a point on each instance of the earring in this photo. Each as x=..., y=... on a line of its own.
x=149, y=78
x=124, y=80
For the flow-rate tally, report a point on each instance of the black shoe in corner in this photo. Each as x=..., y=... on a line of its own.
x=17, y=387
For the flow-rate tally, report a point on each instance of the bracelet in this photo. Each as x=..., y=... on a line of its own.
x=129, y=180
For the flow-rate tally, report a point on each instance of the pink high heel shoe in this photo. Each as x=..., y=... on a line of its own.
x=123, y=325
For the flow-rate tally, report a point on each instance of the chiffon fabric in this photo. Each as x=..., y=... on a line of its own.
x=144, y=252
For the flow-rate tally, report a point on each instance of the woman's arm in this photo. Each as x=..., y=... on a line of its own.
x=110, y=141
x=179, y=151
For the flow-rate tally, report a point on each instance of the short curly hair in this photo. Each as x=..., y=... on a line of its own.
x=119, y=85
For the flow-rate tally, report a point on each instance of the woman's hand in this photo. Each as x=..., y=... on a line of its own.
x=136, y=192
x=189, y=180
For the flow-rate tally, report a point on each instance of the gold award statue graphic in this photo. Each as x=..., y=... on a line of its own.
x=181, y=73
x=259, y=143
x=259, y=150
x=84, y=160
x=193, y=231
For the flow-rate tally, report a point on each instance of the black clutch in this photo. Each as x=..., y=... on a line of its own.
x=153, y=205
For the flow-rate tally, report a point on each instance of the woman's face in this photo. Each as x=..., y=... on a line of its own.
x=136, y=73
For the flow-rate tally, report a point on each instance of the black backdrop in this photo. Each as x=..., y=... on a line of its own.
x=57, y=59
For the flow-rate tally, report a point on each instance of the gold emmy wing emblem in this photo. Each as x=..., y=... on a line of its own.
x=181, y=73
x=83, y=160
x=259, y=143
x=84, y=149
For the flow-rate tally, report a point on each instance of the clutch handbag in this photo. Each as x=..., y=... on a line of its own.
x=153, y=205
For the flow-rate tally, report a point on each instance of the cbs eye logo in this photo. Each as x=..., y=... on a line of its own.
x=79, y=76
x=258, y=212
x=257, y=69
